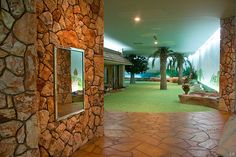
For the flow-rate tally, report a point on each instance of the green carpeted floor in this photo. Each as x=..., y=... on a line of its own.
x=147, y=97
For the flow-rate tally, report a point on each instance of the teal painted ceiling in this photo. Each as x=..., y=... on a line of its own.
x=182, y=25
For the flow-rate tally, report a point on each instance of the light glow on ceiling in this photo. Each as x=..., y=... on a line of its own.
x=137, y=19
x=115, y=45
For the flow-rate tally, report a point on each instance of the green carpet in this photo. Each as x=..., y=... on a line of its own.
x=147, y=97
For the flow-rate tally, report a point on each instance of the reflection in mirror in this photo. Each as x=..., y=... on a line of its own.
x=69, y=81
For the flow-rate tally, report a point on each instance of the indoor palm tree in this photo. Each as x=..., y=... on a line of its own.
x=162, y=53
x=178, y=61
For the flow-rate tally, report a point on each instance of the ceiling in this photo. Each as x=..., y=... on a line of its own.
x=182, y=25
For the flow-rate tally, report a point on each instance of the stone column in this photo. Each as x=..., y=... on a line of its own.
x=227, y=64
x=79, y=24
x=18, y=100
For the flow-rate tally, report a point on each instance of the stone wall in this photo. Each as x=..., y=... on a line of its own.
x=79, y=24
x=227, y=64
x=18, y=102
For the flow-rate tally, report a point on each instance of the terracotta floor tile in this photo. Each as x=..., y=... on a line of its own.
x=157, y=135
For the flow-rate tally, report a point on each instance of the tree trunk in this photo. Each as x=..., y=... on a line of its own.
x=132, y=79
x=180, y=79
x=163, y=61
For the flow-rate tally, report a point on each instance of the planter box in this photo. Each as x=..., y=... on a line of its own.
x=208, y=100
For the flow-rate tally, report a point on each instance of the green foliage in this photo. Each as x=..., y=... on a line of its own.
x=161, y=52
x=75, y=72
x=140, y=64
x=215, y=79
x=200, y=74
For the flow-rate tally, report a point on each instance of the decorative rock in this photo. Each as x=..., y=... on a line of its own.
x=25, y=28
x=2, y=101
x=13, y=46
x=227, y=61
x=7, y=145
x=30, y=68
x=4, y=5
x=2, y=65
x=32, y=132
x=30, y=5
x=9, y=102
x=45, y=40
x=15, y=65
x=43, y=152
x=65, y=136
x=71, y=123
x=9, y=129
x=89, y=37
x=99, y=26
x=65, y=5
x=77, y=9
x=67, y=151
x=50, y=105
x=56, y=147
x=39, y=6
x=7, y=18
x=40, y=47
x=16, y=7
x=60, y=128
x=11, y=84
x=51, y=5
x=43, y=119
x=7, y=115
x=84, y=8
x=42, y=28
x=30, y=153
x=20, y=149
x=97, y=121
x=77, y=140
x=46, y=17
x=56, y=27
x=25, y=105
x=3, y=53
x=45, y=139
x=47, y=89
x=54, y=39
x=68, y=38
x=56, y=15
x=20, y=136
x=99, y=70
x=45, y=73
x=3, y=31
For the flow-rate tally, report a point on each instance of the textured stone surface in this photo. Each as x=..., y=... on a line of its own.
x=23, y=33
x=69, y=23
x=16, y=7
x=13, y=46
x=157, y=134
x=7, y=18
x=25, y=105
x=227, y=64
x=15, y=65
x=11, y=84
x=18, y=102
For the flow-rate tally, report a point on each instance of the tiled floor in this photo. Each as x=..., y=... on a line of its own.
x=157, y=135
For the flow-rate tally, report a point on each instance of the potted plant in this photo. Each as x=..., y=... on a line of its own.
x=185, y=88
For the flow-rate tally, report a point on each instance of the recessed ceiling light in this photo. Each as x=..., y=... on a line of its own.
x=155, y=42
x=137, y=19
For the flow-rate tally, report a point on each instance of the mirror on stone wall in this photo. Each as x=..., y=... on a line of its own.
x=69, y=81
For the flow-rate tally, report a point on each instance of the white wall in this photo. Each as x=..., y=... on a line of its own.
x=206, y=60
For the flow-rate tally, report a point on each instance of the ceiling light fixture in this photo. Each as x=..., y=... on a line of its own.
x=137, y=19
x=155, y=42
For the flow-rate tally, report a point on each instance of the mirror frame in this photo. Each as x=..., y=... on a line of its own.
x=55, y=82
